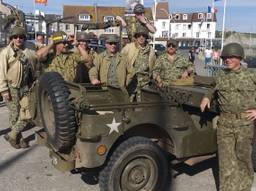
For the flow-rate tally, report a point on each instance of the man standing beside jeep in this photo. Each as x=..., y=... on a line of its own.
x=16, y=78
x=235, y=89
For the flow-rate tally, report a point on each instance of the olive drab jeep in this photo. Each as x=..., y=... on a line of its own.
x=88, y=127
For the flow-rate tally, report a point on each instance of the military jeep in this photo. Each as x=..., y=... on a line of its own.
x=130, y=142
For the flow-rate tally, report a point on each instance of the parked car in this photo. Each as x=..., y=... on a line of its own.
x=159, y=49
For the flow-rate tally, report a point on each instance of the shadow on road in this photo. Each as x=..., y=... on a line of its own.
x=212, y=163
x=3, y=132
x=89, y=176
x=11, y=160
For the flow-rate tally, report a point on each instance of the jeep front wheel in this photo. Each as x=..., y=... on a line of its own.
x=137, y=164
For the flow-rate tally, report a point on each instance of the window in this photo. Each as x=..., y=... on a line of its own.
x=183, y=34
x=197, y=35
x=84, y=17
x=177, y=26
x=163, y=24
x=67, y=27
x=189, y=26
x=209, y=16
x=109, y=30
x=208, y=26
x=108, y=18
x=177, y=17
x=78, y=27
x=176, y=35
x=184, y=26
x=185, y=17
x=200, y=16
x=209, y=34
x=165, y=34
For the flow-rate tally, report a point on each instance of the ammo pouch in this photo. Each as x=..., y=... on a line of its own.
x=28, y=105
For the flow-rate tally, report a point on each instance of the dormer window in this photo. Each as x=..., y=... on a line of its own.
x=108, y=18
x=177, y=17
x=84, y=17
x=200, y=16
x=185, y=17
x=209, y=16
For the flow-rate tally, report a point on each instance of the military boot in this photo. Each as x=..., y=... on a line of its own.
x=12, y=141
x=22, y=142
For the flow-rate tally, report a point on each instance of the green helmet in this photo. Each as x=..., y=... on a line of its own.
x=82, y=36
x=17, y=30
x=112, y=38
x=59, y=36
x=139, y=9
x=232, y=49
x=140, y=29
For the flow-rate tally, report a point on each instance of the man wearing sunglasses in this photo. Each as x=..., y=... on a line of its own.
x=109, y=66
x=172, y=68
x=82, y=72
x=18, y=61
x=141, y=59
x=61, y=59
x=235, y=89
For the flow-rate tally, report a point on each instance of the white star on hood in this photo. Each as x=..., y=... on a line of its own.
x=113, y=126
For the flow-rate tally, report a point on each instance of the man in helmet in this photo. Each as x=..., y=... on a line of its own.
x=18, y=61
x=109, y=66
x=172, y=68
x=235, y=88
x=61, y=59
x=138, y=20
x=141, y=59
x=83, y=39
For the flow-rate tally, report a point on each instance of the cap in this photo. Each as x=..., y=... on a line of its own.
x=112, y=38
x=172, y=42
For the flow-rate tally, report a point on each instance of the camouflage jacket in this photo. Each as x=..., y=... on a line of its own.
x=131, y=52
x=170, y=72
x=65, y=64
x=101, y=67
x=12, y=66
x=236, y=90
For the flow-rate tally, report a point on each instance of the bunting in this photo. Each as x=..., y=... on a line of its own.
x=212, y=9
x=41, y=1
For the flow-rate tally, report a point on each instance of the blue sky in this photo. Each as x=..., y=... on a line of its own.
x=240, y=14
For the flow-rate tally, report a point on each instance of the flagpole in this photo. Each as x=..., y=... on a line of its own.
x=212, y=13
x=223, y=24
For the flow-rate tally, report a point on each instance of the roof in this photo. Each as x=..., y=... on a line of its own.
x=97, y=13
x=192, y=17
x=162, y=10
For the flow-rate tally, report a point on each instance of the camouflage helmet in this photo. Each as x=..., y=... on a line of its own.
x=172, y=42
x=139, y=9
x=17, y=30
x=140, y=29
x=59, y=36
x=112, y=38
x=82, y=36
x=232, y=49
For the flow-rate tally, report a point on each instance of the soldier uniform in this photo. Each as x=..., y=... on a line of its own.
x=63, y=63
x=170, y=70
x=110, y=69
x=236, y=95
x=16, y=77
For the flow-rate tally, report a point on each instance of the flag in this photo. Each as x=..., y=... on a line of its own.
x=212, y=9
x=41, y=1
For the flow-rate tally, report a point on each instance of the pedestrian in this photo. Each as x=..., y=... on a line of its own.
x=16, y=79
x=138, y=20
x=191, y=55
x=216, y=56
x=172, y=68
x=109, y=67
x=207, y=56
x=40, y=40
x=62, y=59
x=235, y=89
x=141, y=59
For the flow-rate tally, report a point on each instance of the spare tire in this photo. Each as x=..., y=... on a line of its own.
x=58, y=116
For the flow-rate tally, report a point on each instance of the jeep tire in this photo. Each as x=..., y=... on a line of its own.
x=58, y=117
x=137, y=164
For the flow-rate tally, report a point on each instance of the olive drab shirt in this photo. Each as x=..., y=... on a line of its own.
x=16, y=67
x=106, y=67
x=169, y=71
x=236, y=90
x=65, y=64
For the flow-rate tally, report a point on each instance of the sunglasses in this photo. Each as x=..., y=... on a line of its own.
x=111, y=43
x=171, y=46
x=141, y=34
x=18, y=36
